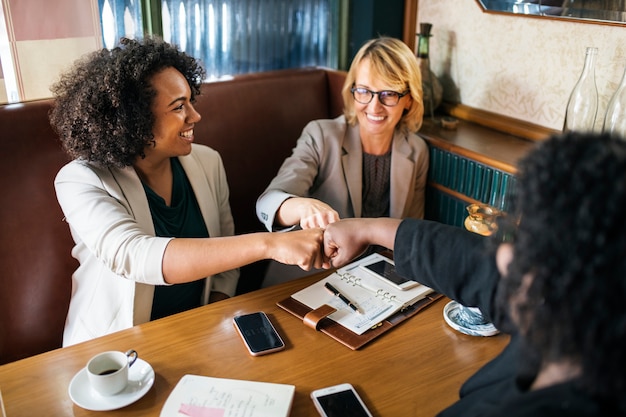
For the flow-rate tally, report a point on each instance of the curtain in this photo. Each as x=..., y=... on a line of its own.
x=120, y=18
x=240, y=36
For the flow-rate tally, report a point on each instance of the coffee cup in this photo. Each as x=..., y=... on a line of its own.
x=108, y=371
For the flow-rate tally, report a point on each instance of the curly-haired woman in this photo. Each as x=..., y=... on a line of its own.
x=148, y=208
x=557, y=284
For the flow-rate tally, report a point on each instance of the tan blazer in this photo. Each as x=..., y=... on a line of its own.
x=327, y=164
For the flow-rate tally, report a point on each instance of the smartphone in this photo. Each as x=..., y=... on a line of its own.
x=339, y=401
x=386, y=271
x=258, y=333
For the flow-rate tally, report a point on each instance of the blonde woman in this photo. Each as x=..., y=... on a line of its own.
x=369, y=162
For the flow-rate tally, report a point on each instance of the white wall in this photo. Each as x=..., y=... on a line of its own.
x=517, y=66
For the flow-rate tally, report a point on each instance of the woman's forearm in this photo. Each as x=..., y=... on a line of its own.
x=187, y=260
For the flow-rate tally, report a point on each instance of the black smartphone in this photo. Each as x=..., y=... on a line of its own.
x=339, y=401
x=386, y=271
x=258, y=333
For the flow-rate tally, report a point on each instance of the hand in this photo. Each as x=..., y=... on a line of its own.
x=343, y=241
x=348, y=238
x=319, y=216
x=308, y=212
x=302, y=247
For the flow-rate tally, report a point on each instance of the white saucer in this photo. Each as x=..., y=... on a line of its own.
x=140, y=380
x=451, y=313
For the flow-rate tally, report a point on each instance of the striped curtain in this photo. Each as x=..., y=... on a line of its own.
x=238, y=36
x=120, y=18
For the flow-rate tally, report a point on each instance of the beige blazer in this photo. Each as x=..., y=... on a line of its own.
x=327, y=164
x=120, y=258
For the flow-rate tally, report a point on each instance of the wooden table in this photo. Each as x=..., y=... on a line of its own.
x=415, y=369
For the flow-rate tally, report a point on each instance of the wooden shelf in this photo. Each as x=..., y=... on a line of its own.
x=482, y=144
x=475, y=162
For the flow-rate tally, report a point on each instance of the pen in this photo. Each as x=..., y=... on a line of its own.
x=342, y=297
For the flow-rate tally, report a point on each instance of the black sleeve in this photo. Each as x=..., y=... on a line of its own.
x=450, y=260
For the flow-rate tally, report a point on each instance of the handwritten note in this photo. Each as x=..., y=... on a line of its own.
x=202, y=396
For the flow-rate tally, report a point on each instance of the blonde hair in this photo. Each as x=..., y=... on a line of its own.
x=393, y=62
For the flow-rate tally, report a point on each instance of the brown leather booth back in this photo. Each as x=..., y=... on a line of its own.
x=253, y=120
x=35, y=259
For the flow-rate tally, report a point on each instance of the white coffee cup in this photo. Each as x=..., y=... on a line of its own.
x=108, y=371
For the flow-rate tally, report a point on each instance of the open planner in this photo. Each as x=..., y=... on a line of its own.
x=380, y=305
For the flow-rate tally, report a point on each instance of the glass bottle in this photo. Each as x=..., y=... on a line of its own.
x=432, y=91
x=582, y=106
x=615, y=119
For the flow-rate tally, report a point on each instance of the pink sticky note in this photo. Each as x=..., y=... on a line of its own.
x=196, y=411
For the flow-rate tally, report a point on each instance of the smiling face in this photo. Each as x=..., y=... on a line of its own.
x=174, y=115
x=375, y=119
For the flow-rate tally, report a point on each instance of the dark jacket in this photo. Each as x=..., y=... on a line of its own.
x=458, y=264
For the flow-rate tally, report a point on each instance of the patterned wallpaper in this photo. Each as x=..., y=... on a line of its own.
x=516, y=66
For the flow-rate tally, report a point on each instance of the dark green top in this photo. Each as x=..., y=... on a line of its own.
x=181, y=219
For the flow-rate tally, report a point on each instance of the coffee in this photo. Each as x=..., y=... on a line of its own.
x=108, y=371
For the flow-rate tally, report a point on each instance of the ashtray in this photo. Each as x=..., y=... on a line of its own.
x=463, y=320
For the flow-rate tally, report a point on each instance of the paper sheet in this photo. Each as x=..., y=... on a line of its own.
x=202, y=396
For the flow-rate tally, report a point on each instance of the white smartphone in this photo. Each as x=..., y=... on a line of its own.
x=339, y=401
x=386, y=270
x=258, y=333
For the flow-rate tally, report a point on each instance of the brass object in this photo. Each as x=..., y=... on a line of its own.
x=482, y=219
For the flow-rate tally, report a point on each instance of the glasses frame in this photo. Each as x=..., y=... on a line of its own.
x=378, y=93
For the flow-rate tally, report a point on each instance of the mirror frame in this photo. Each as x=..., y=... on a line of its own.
x=550, y=17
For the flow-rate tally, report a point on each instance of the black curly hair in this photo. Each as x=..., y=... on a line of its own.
x=570, y=203
x=102, y=105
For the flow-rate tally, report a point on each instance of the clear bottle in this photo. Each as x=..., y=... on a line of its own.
x=582, y=106
x=615, y=119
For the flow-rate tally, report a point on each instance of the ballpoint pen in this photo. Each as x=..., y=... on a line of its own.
x=342, y=297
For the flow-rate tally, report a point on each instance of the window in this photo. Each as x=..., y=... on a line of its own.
x=233, y=36
x=6, y=61
x=120, y=18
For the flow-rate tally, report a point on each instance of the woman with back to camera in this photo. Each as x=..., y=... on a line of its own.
x=148, y=209
x=553, y=278
x=366, y=163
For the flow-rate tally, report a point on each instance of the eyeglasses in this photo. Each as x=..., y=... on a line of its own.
x=386, y=97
